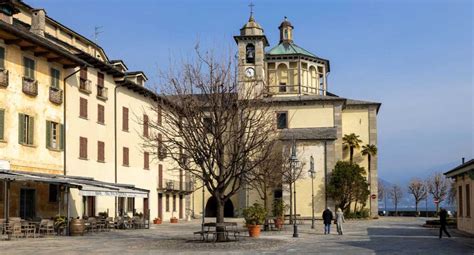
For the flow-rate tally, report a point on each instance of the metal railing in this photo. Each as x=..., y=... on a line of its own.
x=173, y=185
x=85, y=86
x=102, y=92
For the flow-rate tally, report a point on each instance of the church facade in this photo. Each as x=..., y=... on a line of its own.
x=306, y=113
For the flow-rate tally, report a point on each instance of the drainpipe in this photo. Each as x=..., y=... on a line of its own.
x=115, y=141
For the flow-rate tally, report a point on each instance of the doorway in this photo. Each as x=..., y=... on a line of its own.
x=211, y=207
x=27, y=203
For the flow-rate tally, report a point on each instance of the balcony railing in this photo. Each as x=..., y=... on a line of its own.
x=102, y=92
x=4, y=78
x=55, y=95
x=177, y=186
x=85, y=86
x=30, y=86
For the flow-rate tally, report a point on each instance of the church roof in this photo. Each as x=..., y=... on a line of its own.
x=286, y=48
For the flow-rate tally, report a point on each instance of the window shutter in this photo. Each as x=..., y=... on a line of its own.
x=100, y=79
x=83, y=73
x=83, y=147
x=21, y=126
x=31, y=130
x=145, y=125
x=101, y=148
x=159, y=116
x=2, y=58
x=125, y=118
x=83, y=107
x=160, y=176
x=48, y=134
x=125, y=156
x=61, y=137
x=100, y=113
x=2, y=124
x=146, y=164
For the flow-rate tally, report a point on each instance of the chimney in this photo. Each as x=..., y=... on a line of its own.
x=38, y=21
x=462, y=160
x=7, y=10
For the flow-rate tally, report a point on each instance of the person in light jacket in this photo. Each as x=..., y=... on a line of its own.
x=327, y=218
x=339, y=220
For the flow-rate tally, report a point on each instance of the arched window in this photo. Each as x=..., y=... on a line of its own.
x=282, y=71
x=250, y=53
x=286, y=34
x=314, y=78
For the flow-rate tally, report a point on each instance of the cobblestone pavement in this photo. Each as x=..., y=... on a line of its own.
x=383, y=236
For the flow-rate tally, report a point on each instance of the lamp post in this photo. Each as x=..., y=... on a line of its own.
x=312, y=173
x=293, y=164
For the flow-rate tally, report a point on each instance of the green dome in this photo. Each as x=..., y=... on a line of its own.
x=286, y=48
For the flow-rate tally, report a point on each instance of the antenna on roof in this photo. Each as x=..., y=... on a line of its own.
x=97, y=32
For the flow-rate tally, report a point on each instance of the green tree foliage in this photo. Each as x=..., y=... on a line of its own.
x=347, y=184
x=352, y=142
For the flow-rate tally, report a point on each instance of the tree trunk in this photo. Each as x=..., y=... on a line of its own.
x=220, y=219
x=416, y=208
x=351, y=151
x=355, y=206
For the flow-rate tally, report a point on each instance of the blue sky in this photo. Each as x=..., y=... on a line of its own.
x=414, y=56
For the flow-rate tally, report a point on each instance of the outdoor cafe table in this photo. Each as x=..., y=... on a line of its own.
x=211, y=228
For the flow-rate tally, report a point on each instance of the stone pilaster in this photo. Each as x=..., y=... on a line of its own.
x=373, y=164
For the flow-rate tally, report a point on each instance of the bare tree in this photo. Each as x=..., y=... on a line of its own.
x=418, y=189
x=452, y=194
x=438, y=188
x=211, y=127
x=396, y=194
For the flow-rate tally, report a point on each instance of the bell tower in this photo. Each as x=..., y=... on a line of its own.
x=251, y=58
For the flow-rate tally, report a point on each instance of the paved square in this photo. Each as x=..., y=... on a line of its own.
x=383, y=236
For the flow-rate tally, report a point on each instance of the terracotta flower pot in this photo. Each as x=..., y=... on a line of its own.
x=174, y=220
x=254, y=230
x=157, y=221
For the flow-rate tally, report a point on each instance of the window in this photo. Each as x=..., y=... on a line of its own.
x=145, y=125
x=54, y=135
x=167, y=203
x=282, y=120
x=100, y=151
x=82, y=148
x=160, y=176
x=125, y=156
x=130, y=204
x=468, y=201
x=146, y=160
x=282, y=87
x=250, y=53
x=55, y=76
x=159, y=116
x=207, y=124
x=100, y=114
x=83, y=74
x=26, y=126
x=460, y=212
x=100, y=79
x=83, y=108
x=2, y=58
x=89, y=206
x=124, y=118
x=174, y=203
x=29, y=65
x=53, y=193
x=121, y=206
x=161, y=148
x=2, y=124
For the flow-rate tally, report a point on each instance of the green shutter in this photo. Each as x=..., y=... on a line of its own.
x=48, y=134
x=31, y=130
x=21, y=126
x=2, y=58
x=61, y=137
x=2, y=124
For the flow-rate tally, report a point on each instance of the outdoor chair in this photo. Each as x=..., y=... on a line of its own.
x=13, y=228
x=46, y=227
x=92, y=224
x=101, y=224
x=28, y=229
x=110, y=223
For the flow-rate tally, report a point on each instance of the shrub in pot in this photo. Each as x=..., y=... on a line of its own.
x=174, y=220
x=254, y=217
x=278, y=210
x=157, y=220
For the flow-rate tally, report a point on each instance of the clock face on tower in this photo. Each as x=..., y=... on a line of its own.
x=250, y=72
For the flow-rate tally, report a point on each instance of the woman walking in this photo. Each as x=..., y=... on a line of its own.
x=339, y=220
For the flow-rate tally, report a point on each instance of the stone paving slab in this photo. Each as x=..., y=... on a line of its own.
x=383, y=236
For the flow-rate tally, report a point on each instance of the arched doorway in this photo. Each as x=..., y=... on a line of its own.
x=211, y=207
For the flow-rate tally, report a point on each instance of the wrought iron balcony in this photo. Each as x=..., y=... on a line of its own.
x=177, y=186
x=30, y=86
x=85, y=86
x=55, y=95
x=102, y=92
x=4, y=78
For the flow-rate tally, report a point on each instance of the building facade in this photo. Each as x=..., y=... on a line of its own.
x=463, y=176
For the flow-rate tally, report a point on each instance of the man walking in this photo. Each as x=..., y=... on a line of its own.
x=443, y=215
x=327, y=218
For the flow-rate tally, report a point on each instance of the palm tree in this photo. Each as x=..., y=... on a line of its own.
x=352, y=142
x=369, y=150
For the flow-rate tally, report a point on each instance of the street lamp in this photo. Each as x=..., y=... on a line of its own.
x=312, y=173
x=293, y=163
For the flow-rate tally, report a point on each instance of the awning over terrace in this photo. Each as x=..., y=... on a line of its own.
x=86, y=186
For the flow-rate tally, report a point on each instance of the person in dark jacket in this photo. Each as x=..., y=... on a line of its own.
x=327, y=219
x=443, y=215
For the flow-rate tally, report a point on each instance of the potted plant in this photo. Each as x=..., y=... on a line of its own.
x=157, y=220
x=60, y=223
x=254, y=217
x=278, y=210
x=173, y=219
